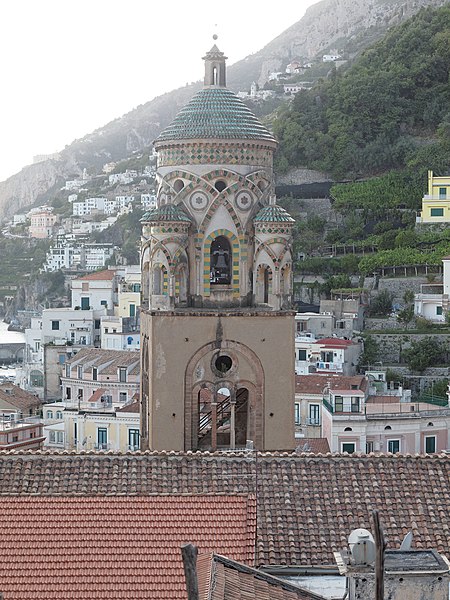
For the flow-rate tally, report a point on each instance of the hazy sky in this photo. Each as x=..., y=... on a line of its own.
x=68, y=67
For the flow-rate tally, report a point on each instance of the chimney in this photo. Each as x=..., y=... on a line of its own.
x=189, y=553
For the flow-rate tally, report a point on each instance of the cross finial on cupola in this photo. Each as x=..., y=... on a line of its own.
x=215, y=67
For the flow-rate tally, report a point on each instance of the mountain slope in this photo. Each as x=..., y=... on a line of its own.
x=376, y=115
x=350, y=24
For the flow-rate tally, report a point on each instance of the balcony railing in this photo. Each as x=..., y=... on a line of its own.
x=329, y=366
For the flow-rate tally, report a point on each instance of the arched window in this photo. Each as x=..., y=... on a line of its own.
x=36, y=379
x=49, y=414
x=263, y=284
x=214, y=75
x=59, y=414
x=221, y=261
x=159, y=280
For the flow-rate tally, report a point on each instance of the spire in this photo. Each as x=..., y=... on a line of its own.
x=215, y=67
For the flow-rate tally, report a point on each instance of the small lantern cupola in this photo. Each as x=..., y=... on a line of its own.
x=215, y=67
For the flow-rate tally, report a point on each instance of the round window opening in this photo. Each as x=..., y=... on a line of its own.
x=220, y=185
x=223, y=363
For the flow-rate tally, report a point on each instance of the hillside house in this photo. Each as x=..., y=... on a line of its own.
x=436, y=203
x=43, y=220
x=327, y=355
x=432, y=302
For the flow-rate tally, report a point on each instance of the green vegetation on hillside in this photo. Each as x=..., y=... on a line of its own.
x=382, y=113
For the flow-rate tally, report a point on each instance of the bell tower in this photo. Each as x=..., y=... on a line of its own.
x=216, y=326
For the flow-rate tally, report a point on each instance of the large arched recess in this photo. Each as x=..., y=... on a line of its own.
x=254, y=385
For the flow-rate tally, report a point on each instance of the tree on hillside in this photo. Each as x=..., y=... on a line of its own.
x=423, y=354
x=381, y=305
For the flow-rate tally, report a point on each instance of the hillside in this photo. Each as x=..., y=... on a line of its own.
x=390, y=107
x=346, y=24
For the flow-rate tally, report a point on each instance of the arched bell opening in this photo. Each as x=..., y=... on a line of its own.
x=263, y=284
x=221, y=261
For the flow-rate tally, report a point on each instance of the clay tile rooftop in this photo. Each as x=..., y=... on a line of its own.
x=315, y=384
x=115, y=547
x=105, y=275
x=306, y=503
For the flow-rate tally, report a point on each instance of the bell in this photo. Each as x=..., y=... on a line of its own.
x=220, y=261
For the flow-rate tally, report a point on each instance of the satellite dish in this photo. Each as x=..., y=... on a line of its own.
x=407, y=541
x=362, y=547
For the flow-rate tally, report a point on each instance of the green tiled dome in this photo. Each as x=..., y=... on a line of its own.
x=215, y=112
x=166, y=213
x=273, y=214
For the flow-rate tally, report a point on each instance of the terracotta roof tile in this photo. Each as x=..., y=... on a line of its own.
x=133, y=407
x=307, y=503
x=105, y=275
x=115, y=547
x=315, y=384
x=21, y=399
x=315, y=445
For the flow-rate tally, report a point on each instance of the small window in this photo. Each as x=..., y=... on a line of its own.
x=68, y=393
x=442, y=192
x=122, y=396
x=132, y=310
x=355, y=404
x=430, y=444
x=67, y=370
x=394, y=446
x=348, y=447
x=55, y=325
x=369, y=447
x=302, y=355
x=97, y=324
x=103, y=302
x=59, y=437
x=61, y=359
x=338, y=403
x=122, y=374
x=437, y=212
x=52, y=437
x=314, y=414
x=94, y=373
x=49, y=414
x=59, y=414
x=85, y=304
x=80, y=372
x=297, y=413
x=80, y=394
x=439, y=310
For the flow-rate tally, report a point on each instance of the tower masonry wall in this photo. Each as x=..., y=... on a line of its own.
x=181, y=346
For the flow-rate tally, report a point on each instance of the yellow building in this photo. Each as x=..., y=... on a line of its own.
x=436, y=203
x=110, y=428
x=129, y=297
